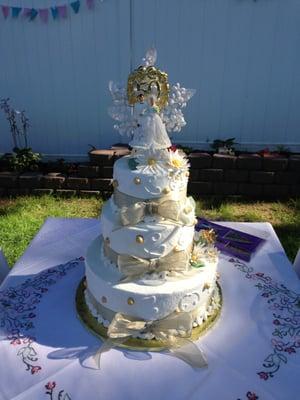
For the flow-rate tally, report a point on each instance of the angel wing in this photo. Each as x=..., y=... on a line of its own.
x=172, y=115
x=120, y=111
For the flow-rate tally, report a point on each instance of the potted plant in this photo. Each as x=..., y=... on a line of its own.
x=224, y=146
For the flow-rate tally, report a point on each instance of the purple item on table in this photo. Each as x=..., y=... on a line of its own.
x=231, y=241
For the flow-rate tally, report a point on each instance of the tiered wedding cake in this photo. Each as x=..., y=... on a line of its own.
x=149, y=275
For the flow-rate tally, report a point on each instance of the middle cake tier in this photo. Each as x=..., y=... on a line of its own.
x=152, y=237
x=143, y=298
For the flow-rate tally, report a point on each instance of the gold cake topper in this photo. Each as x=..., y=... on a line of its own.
x=148, y=80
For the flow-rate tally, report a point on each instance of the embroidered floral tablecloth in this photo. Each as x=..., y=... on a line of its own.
x=253, y=350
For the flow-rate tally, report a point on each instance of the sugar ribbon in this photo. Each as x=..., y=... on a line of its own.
x=123, y=327
x=134, y=268
x=178, y=211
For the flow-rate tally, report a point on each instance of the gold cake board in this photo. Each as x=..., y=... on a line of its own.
x=96, y=328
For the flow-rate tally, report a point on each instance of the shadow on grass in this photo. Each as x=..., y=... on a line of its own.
x=9, y=206
x=289, y=236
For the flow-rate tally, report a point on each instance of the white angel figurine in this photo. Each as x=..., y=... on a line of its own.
x=151, y=131
x=154, y=123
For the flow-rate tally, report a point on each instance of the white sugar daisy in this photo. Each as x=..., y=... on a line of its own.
x=198, y=256
x=212, y=254
x=151, y=161
x=202, y=254
x=177, y=160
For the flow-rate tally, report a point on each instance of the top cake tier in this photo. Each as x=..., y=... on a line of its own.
x=152, y=174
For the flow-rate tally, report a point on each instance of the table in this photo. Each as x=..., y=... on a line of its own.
x=253, y=350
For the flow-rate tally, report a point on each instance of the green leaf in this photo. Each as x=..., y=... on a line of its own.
x=197, y=264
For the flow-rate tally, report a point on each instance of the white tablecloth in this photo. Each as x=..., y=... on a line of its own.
x=253, y=350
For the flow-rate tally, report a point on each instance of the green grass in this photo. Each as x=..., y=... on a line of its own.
x=21, y=218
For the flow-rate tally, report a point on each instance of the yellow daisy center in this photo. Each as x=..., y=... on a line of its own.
x=151, y=161
x=176, y=162
x=194, y=257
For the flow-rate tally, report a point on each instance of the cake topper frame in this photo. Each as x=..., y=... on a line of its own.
x=148, y=80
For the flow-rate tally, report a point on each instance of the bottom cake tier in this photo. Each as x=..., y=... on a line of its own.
x=91, y=319
x=154, y=297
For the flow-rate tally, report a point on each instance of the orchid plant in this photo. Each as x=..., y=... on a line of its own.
x=24, y=158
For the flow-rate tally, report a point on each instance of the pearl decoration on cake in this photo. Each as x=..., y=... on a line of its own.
x=166, y=190
x=139, y=239
x=130, y=301
x=137, y=180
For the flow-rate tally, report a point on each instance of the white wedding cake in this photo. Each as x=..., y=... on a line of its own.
x=149, y=274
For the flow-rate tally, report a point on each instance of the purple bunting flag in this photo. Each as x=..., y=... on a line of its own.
x=62, y=11
x=26, y=12
x=5, y=11
x=90, y=4
x=44, y=14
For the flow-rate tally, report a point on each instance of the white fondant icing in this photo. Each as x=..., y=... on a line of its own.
x=199, y=316
x=189, y=302
x=151, y=185
x=160, y=236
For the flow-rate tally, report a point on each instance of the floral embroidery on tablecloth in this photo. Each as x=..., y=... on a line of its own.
x=61, y=395
x=285, y=307
x=18, y=310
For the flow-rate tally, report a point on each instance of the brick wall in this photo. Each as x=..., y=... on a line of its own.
x=247, y=175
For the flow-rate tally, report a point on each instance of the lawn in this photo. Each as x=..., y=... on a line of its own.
x=22, y=217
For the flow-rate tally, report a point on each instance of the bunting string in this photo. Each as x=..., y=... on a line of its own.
x=56, y=12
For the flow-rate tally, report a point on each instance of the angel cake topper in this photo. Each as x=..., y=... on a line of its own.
x=149, y=108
